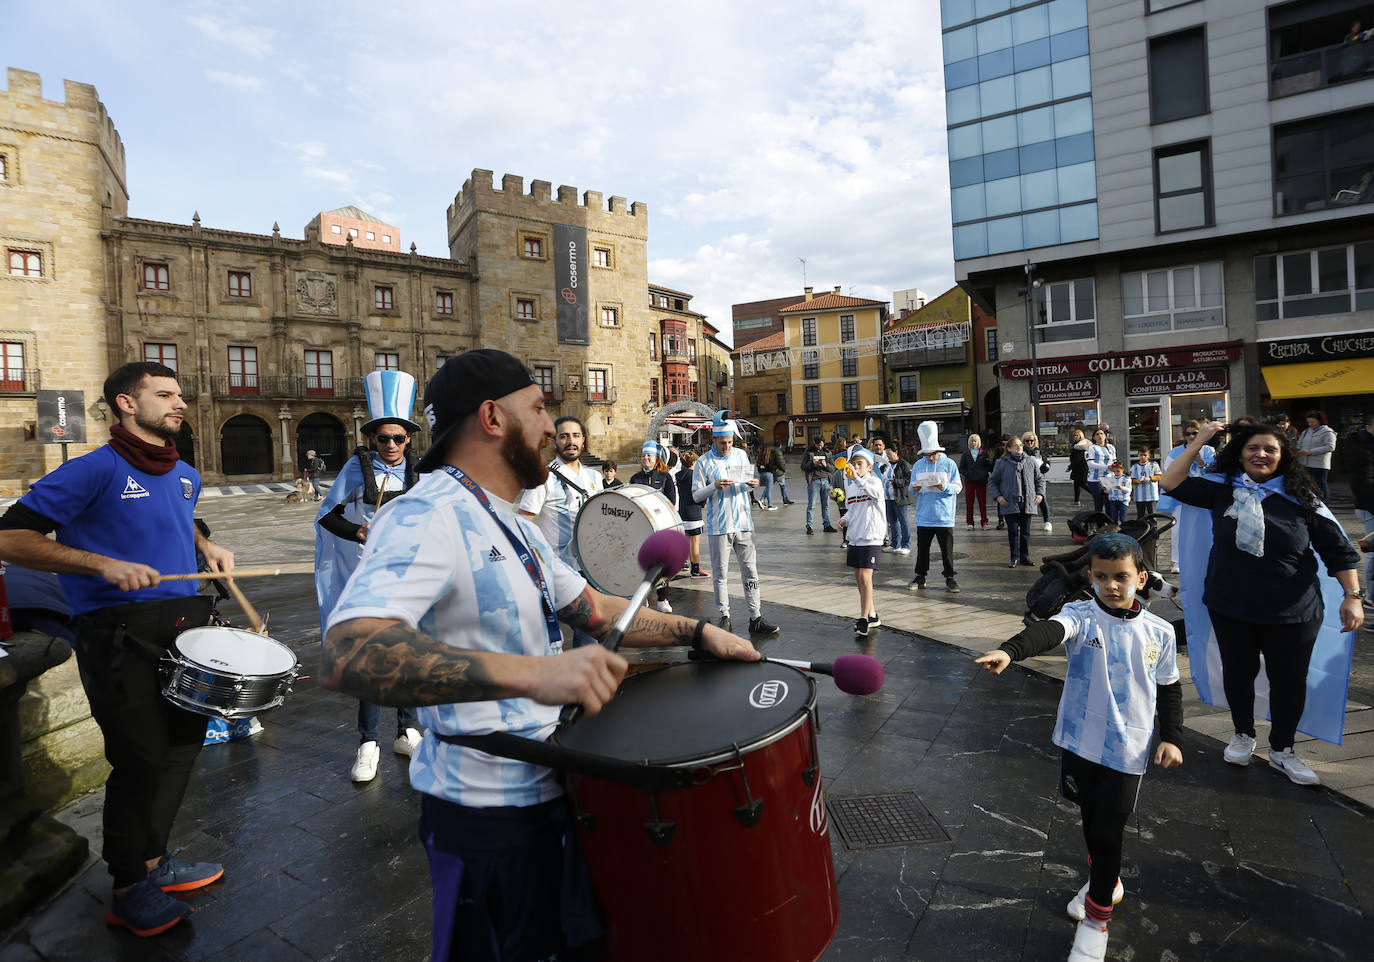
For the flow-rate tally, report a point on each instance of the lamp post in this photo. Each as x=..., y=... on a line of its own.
x=1032, y=285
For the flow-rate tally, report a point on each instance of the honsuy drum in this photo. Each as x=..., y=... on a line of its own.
x=735, y=867
x=227, y=672
x=609, y=529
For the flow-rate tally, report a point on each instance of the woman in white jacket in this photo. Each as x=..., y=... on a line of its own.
x=1315, y=446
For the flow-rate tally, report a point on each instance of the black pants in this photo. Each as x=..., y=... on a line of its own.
x=1106, y=798
x=1287, y=651
x=1143, y=508
x=1080, y=484
x=1018, y=534
x=150, y=744
x=946, y=538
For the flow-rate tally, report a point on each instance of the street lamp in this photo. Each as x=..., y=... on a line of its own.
x=1033, y=284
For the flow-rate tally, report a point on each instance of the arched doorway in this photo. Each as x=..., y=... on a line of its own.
x=186, y=446
x=245, y=445
x=325, y=435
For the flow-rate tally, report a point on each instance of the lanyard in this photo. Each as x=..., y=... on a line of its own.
x=521, y=551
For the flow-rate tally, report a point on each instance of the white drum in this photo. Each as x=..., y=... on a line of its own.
x=227, y=672
x=610, y=529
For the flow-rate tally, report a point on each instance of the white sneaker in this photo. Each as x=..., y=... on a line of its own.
x=1075, y=907
x=1089, y=943
x=406, y=742
x=904, y=551
x=888, y=549
x=1173, y=568
x=1048, y=526
x=365, y=766
x=1288, y=762
x=1239, y=750
x=664, y=607
x=970, y=527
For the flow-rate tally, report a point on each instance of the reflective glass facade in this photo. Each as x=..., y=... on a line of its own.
x=1019, y=112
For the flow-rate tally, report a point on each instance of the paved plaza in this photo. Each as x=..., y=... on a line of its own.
x=1220, y=862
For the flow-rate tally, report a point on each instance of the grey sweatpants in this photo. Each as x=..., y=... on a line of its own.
x=719, y=547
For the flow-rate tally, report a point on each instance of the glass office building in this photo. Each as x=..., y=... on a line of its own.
x=1019, y=111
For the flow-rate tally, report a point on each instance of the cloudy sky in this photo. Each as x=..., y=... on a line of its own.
x=757, y=133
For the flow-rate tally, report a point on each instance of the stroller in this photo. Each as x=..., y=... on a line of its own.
x=1064, y=577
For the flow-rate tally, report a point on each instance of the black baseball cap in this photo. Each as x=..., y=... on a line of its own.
x=459, y=388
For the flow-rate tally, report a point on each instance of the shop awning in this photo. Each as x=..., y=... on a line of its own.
x=945, y=407
x=1320, y=378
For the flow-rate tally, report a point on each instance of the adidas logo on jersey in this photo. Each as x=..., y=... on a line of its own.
x=132, y=490
x=495, y=555
x=1094, y=642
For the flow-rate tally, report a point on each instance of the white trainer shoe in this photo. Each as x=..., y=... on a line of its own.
x=664, y=607
x=1288, y=762
x=365, y=765
x=1075, y=906
x=1240, y=749
x=406, y=742
x=1048, y=526
x=1089, y=942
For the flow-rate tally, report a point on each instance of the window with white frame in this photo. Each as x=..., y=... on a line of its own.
x=601, y=256
x=847, y=327
x=12, y=366
x=386, y=238
x=26, y=263
x=610, y=317
x=692, y=349
x=383, y=297
x=386, y=361
x=1311, y=283
x=1173, y=299
x=371, y=235
x=543, y=376
x=319, y=373
x=533, y=247
x=812, y=398
x=155, y=277
x=596, y=384
x=443, y=302
x=808, y=332
x=240, y=284
x=811, y=364
x=524, y=308
x=335, y=229
x=164, y=354
x=1067, y=310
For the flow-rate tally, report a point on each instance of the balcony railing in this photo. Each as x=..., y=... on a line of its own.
x=898, y=360
x=190, y=386
x=290, y=386
x=14, y=380
x=1323, y=67
x=607, y=396
x=553, y=395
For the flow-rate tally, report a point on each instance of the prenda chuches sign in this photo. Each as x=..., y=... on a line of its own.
x=570, y=282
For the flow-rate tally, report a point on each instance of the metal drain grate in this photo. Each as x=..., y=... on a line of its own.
x=883, y=821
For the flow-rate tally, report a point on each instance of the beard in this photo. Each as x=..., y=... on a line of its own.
x=159, y=427
x=525, y=460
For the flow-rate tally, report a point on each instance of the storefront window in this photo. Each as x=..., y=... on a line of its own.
x=1200, y=407
x=1058, y=420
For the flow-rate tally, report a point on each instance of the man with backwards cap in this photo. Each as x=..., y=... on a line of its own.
x=721, y=481
x=375, y=475
x=455, y=607
x=554, y=503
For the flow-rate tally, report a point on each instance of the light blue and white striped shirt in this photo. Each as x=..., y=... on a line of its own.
x=1100, y=458
x=726, y=510
x=555, y=505
x=1107, y=710
x=438, y=561
x=1144, y=489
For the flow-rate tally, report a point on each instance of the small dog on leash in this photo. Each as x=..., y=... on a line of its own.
x=298, y=496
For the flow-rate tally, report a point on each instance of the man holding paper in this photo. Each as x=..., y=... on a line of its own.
x=936, y=484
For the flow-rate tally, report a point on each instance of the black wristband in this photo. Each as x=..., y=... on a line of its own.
x=696, y=635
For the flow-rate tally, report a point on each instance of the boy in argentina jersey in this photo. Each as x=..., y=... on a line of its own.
x=1122, y=665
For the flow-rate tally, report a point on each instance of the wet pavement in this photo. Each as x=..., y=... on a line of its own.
x=1220, y=862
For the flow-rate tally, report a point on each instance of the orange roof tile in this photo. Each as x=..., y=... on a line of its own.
x=773, y=342
x=831, y=302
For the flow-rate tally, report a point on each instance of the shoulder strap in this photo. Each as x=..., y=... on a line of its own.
x=649, y=778
x=369, y=475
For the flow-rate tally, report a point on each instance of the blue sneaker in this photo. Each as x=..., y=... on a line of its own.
x=174, y=875
x=144, y=910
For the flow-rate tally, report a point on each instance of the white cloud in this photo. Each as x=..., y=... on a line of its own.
x=236, y=80
x=339, y=178
x=246, y=39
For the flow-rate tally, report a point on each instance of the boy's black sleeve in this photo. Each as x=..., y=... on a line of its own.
x=1169, y=705
x=1035, y=640
x=340, y=527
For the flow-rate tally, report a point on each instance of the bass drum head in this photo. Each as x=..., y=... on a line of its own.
x=610, y=528
x=690, y=713
x=235, y=651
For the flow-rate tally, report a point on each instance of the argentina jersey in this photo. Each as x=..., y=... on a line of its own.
x=1107, y=710
x=726, y=510
x=554, y=504
x=1143, y=487
x=438, y=561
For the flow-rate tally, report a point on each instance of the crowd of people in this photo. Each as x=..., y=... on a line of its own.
x=449, y=590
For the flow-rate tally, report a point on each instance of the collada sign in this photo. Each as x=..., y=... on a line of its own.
x=1124, y=362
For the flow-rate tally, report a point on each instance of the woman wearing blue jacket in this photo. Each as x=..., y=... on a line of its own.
x=936, y=484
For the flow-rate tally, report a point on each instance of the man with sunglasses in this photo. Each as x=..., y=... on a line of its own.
x=375, y=475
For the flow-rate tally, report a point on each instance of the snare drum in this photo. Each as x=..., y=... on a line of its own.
x=609, y=530
x=227, y=672
x=735, y=867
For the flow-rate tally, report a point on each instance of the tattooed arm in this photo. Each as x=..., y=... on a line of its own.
x=389, y=663
x=595, y=613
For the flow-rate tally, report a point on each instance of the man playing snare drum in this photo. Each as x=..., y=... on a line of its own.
x=453, y=555
x=123, y=514
x=554, y=503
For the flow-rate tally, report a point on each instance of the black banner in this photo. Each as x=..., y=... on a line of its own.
x=1323, y=347
x=570, y=283
x=62, y=417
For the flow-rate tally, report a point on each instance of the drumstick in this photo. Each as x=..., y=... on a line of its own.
x=237, y=573
x=248, y=609
x=380, y=491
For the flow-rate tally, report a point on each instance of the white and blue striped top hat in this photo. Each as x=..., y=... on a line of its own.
x=723, y=427
x=390, y=397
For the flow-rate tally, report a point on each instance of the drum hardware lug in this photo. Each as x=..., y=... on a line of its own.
x=751, y=811
x=810, y=771
x=660, y=833
x=586, y=819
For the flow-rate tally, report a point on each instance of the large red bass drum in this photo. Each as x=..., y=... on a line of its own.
x=737, y=866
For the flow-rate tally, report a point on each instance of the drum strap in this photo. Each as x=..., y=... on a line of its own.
x=648, y=778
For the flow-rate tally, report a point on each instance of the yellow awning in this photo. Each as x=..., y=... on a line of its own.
x=1320, y=378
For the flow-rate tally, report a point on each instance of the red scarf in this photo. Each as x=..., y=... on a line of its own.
x=156, y=459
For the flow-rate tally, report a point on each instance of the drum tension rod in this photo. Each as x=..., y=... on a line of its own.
x=586, y=819
x=809, y=772
x=752, y=810
x=660, y=833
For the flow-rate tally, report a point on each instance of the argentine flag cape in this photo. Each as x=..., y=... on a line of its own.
x=336, y=558
x=1328, y=675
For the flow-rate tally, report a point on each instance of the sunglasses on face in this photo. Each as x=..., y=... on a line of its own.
x=391, y=439
x=1190, y=434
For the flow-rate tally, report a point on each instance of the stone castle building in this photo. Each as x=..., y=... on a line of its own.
x=272, y=335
